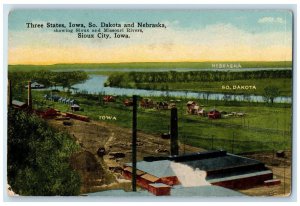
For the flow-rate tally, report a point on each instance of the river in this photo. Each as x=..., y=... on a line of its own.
x=95, y=85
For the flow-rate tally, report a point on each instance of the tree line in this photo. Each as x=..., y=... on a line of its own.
x=122, y=79
x=47, y=78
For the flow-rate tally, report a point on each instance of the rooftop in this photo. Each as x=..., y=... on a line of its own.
x=216, y=164
x=157, y=168
x=157, y=185
x=150, y=178
x=202, y=191
x=18, y=103
x=221, y=162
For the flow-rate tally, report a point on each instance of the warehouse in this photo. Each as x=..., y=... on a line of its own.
x=198, y=169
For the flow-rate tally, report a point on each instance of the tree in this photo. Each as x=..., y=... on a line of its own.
x=270, y=93
x=38, y=157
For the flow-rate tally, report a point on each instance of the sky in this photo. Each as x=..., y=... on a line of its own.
x=190, y=35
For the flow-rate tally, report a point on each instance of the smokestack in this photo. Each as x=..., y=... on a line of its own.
x=174, y=132
x=29, y=96
x=9, y=94
x=134, y=131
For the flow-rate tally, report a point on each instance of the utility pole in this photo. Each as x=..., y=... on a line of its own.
x=174, y=132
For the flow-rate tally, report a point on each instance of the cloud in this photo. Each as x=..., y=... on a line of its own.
x=271, y=20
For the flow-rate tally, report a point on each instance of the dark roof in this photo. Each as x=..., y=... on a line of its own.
x=238, y=176
x=216, y=163
x=226, y=166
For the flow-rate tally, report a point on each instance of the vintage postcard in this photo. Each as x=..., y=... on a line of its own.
x=130, y=103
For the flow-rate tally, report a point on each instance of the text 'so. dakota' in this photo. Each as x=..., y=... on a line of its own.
x=238, y=87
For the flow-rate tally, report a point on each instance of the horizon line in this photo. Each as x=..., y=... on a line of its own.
x=147, y=62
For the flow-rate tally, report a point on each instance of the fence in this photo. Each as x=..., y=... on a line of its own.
x=235, y=146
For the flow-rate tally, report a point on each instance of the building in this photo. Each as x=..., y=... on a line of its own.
x=35, y=85
x=152, y=173
x=214, y=114
x=75, y=107
x=159, y=189
x=217, y=168
x=161, y=174
x=194, y=108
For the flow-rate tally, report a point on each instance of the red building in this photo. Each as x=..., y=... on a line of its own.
x=214, y=114
x=159, y=189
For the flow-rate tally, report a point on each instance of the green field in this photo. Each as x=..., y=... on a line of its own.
x=145, y=65
x=263, y=128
